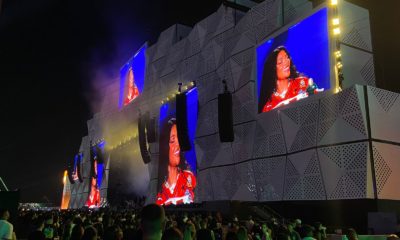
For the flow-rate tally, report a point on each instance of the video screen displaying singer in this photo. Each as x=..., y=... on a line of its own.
x=294, y=64
x=177, y=169
x=132, y=76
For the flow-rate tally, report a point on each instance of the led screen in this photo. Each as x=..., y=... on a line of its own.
x=132, y=77
x=177, y=169
x=96, y=177
x=76, y=175
x=294, y=64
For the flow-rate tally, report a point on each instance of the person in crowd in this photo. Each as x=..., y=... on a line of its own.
x=204, y=232
x=294, y=235
x=48, y=229
x=266, y=232
x=173, y=233
x=6, y=228
x=113, y=233
x=231, y=236
x=190, y=231
x=281, y=83
x=351, y=234
x=242, y=234
x=77, y=232
x=307, y=232
x=320, y=231
x=283, y=234
x=37, y=234
x=180, y=183
x=152, y=222
x=90, y=233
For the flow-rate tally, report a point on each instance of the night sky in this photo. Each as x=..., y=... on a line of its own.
x=52, y=53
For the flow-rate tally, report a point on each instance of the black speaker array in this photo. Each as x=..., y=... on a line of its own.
x=151, y=130
x=225, y=117
x=143, y=139
x=99, y=155
x=181, y=122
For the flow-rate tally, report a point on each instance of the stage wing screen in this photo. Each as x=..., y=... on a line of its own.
x=95, y=199
x=294, y=64
x=132, y=76
x=177, y=169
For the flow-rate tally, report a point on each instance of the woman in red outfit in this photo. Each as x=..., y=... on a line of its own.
x=179, y=184
x=93, y=200
x=133, y=91
x=281, y=83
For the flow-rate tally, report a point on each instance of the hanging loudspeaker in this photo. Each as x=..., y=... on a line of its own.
x=181, y=122
x=142, y=138
x=225, y=117
x=151, y=130
x=99, y=154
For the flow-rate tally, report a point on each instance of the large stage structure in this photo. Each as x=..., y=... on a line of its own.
x=340, y=144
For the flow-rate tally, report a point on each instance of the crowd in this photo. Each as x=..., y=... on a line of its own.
x=151, y=222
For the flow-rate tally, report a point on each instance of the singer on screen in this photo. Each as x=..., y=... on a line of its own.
x=179, y=182
x=281, y=83
x=133, y=91
x=93, y=200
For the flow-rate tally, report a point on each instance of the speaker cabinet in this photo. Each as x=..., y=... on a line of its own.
x=144, y=151
x=225, y=117
x=151, y=130
x=181, y=122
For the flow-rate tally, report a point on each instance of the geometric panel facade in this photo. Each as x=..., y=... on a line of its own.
x=303, y=179
x=387, y=167
x=246, y=191
x=345, y=170
x=384, y=114
x=295, y=8
x=299, y=124
x=342, y=117
x=268, y=136
x=269, y=178
x=204, y=191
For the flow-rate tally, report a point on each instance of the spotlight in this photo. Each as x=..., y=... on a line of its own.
x=336, y=31
x=334, y=2
x=192, y=83
x=186, y=87
x=167, y=98
x=335, y=21
x=339, y=65
x=162, y=102
x=338, y=54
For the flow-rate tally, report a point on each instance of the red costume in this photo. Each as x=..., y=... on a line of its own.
x=93, y=199
x=130, y=97
x=298, y=88
x=182, y=192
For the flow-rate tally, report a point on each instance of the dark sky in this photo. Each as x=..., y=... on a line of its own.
x=49, y=50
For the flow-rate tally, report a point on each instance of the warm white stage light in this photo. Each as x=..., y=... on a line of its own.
x=336, y=31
